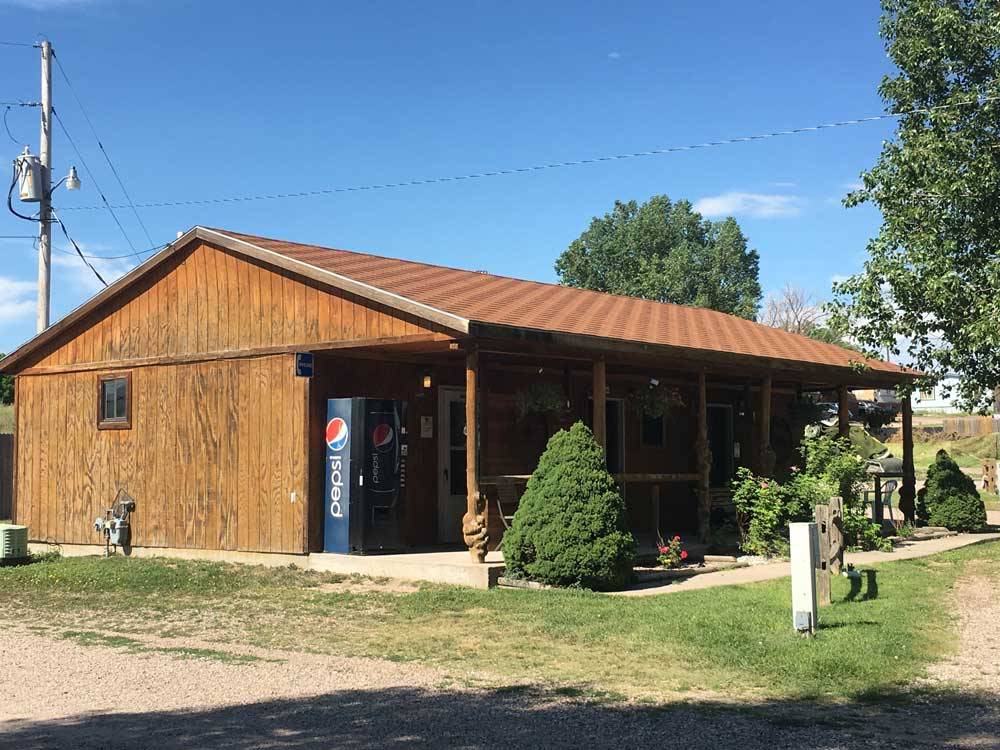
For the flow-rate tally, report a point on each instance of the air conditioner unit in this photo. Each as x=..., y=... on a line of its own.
x=13, y=542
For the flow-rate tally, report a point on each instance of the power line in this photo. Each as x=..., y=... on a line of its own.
x=93, y=179
x=17, y=44
x=89, y=256
x=134, y=254
x=77, y=248
x=548, y=166
x=20, y=103
x=7, y=127
x=138, y=254
x=107, y=157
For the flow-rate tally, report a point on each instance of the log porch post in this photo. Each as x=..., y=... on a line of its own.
x=908, y=490
x=767, y=457
x=843, y=413
x=703, y=456
x=473, y=524
x=600, y=419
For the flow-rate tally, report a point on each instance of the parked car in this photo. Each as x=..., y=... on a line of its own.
x=876, y=416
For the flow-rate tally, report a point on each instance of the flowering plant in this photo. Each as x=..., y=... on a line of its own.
x=671, y=555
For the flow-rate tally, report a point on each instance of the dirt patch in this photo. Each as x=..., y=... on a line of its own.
x=976, y=663
x=361, y=585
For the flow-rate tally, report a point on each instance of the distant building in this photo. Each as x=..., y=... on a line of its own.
x=940, y=397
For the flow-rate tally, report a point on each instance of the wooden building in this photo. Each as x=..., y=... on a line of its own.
x=177, y=383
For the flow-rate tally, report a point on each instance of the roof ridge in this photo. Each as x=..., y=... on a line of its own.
x=751, y=326
x=479, y=273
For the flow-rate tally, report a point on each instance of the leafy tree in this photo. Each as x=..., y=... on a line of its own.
x=933, y=271
x=570, y=528
x=6, y=387
x=667, y=252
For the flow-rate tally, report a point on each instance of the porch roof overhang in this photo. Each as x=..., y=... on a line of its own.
x=533, y=343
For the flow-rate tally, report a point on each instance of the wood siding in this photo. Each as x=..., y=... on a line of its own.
x=219, y=437
x=213, y=455
x=208, y=301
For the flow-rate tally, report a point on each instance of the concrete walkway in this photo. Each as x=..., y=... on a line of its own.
x=770, y=571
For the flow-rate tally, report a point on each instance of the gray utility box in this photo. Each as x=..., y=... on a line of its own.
x=13, y=542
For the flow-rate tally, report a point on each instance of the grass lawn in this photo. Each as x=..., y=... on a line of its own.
x=729, y=642
x=6, y=418
x=967, y=452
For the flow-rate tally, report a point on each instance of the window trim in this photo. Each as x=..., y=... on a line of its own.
x=124, y=423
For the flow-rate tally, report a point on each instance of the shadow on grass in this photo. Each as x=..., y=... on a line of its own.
x=871, y=590
x=525, y=717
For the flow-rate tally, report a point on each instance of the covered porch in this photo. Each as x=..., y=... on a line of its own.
x=482, y=407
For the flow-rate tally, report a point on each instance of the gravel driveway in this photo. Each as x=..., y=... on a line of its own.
x=57, y=693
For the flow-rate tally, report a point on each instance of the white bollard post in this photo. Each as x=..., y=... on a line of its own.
x=804, y=539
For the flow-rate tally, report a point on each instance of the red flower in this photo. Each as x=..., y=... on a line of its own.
x=763, y=485
x=664, y=550
x=684, y=554
x=677, y=537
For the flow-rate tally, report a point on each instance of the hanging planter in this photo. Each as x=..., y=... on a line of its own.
x=539, y=398
x=655, y=400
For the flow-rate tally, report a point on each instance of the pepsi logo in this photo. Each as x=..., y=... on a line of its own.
x=382, y=437
x=336, y=434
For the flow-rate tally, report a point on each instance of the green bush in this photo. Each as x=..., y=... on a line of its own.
x=835, y=461
x=949, y=497
x=958, y=511
x=765, y=508
x=570, y=527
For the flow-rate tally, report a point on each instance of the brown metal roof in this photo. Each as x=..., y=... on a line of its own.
x=499, y=300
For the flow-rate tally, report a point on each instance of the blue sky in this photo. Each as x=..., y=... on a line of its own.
x=213, y=99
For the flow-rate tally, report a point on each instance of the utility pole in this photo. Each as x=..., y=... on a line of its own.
x=45, y=205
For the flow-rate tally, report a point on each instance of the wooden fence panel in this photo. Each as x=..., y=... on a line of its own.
x=6, y=476
x=970, y=426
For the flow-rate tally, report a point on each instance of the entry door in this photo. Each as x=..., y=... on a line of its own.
x=451, y=462
x=720, y=442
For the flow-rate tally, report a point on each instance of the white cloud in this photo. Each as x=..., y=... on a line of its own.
x=614, y=55
x=73, y=272
x=17, y=299
x=852, y=186
x=784, y=184
x=760, y=205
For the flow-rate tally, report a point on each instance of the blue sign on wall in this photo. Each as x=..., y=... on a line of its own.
x=303, y=364
x=337, y=505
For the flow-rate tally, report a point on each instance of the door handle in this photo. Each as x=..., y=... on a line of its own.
x=446, y=474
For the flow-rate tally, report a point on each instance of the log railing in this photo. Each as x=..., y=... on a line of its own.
x=623, y=478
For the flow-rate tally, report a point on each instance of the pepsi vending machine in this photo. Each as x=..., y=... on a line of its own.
x=365, y=475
